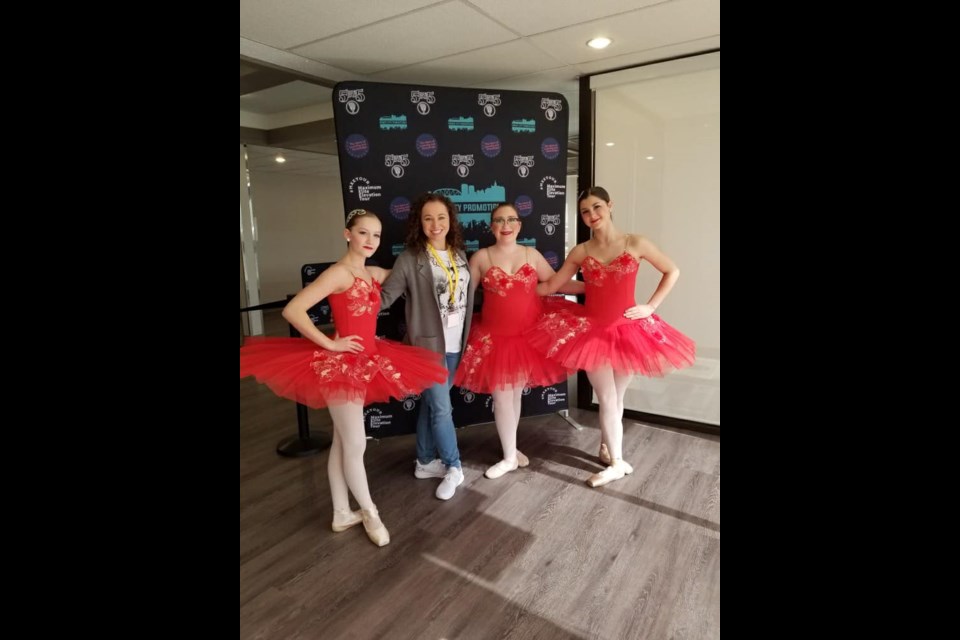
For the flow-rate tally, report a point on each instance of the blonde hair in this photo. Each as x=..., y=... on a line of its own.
x=357, y=213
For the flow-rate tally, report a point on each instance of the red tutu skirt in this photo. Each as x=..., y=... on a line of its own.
x=648, y=347
x=493, y=361
x=299, y=370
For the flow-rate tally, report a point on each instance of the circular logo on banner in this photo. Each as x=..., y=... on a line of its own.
x=463, y=170
x=526, y=391
x=352, y=107
x=410, y=402
x=397, y=171
x=376, y=417
x=550, y=148
x=490, y=145
x=423, y=108
x=551, y=396
x=552, y=259
x=489, y=110
x=426, y=145
x=400, y=208
x=523, y=170
x=524, y=205
x=550, y=113
x=356, y=145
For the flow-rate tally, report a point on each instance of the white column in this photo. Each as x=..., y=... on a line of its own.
x=248, y=248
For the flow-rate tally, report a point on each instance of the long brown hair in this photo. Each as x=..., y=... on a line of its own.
x=417, y=239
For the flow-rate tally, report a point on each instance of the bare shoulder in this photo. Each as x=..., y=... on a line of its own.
x=379, y=273
x=644, y=248
x=539, y=259
x=478, y=256
x=638, y=244
x=339, y=270
x=578, y=253
x=337, y=277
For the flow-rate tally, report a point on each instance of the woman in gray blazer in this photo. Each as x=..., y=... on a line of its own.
x=434, y=276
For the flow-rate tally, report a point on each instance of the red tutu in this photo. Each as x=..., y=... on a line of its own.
x=298, y=369
x=650, y=347
x=498, y=353
x=599, y=336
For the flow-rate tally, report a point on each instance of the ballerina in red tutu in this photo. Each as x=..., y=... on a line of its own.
x=610, y=344
x=346, y=371
x=498, y=358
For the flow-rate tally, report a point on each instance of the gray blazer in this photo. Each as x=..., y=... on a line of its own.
x=412, y=276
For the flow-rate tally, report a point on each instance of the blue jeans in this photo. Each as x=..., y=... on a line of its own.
x=435, y=431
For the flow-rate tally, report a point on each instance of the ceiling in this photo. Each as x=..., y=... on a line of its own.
x=292, y=52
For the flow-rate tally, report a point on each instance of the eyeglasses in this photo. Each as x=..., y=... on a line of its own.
x=506, y=220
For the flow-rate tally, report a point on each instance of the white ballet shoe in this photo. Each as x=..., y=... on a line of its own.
x=504, y=467
x=605, y=458
x=614, y=472
x=343, y=520
x=500, y=469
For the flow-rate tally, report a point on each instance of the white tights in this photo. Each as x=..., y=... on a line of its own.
x=506, y=413
x=345, y=466
x=610, y=389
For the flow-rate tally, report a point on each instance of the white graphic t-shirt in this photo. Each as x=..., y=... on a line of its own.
x=452, y=333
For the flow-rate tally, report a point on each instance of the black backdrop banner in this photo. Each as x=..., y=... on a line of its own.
x=478, y=147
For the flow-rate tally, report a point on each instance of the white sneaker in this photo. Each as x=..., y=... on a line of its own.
x=433, y=469
x=448, y=486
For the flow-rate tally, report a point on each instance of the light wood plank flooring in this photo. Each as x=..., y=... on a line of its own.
x=535, y=554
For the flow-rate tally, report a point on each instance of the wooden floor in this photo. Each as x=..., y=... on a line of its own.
x=534, y=554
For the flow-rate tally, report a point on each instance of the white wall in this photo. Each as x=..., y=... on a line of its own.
x=670, y=113
x=692, y=230
x=299, y=220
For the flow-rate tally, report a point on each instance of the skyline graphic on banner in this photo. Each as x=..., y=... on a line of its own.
x=469, y=193
x=474, y=206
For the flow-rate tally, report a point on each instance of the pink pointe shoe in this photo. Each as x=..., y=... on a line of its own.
x=376, y=530
x=344, y=519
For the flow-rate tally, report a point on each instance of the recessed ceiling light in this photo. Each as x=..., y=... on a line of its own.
x=599, y=43
x=649, y=157
x=280, y=158
x=610, y=144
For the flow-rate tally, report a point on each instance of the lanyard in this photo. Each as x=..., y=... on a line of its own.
x=452, y=281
